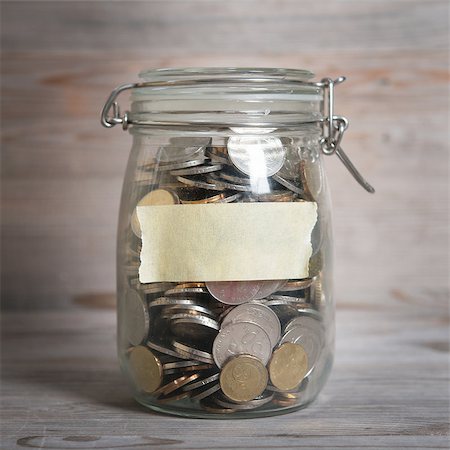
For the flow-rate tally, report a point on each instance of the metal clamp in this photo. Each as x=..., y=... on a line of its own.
x=333, y=131
x=333, y=126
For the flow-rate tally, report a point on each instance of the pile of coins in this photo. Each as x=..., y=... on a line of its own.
x=226, y=346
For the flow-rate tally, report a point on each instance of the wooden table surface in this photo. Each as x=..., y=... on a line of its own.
x=62, y=388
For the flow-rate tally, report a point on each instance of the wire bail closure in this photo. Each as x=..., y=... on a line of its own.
x=333, y=126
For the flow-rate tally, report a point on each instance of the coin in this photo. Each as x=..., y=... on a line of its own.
x=283, y=299
x=150, y=288
x=156, y=197
x=209, y=404
x=235, y=179
x=239, y=338
x=192, y=310
x=259, y=314
x=192, y=353
x=145, y=369
x=194, y=328
x=176, y=384
x=312, y=179
x=257, y=402
x=288, y=366
x=183, y=149
x=257, y=156
x=202, y=383
x=196, y=368
x=295, y=285
x=291, y=166
x=191, y=285
x=211, y=199
x=176, y=291
x=268, y=287
x=205, y=392
x=181, y=165
x=274, y=196
x=233, y=292
x=136, y=320
x=171, y=301
x=164, y=349
x=201, y=183
x=315, y=264
x=230, y=197
x=212, y=178
x=243, y=378
x=207, y=168
x=180, y=364
x=292, y=186
x=172, y=398
x=308, y=332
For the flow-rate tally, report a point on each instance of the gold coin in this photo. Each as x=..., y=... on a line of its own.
x=243, y=378
x=146, y=369
x=156, y=197
x=288, y=366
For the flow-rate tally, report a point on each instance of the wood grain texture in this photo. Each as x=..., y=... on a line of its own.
x=62, y=172
x=61, y=387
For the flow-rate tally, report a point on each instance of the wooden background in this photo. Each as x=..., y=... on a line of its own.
x=62, y=171
x=61, y=180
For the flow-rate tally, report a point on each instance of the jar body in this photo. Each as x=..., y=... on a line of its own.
x=229, y=344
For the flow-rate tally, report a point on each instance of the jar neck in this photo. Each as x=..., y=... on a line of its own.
x=224, y=99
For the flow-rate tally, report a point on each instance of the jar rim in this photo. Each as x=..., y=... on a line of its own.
x=246, y=73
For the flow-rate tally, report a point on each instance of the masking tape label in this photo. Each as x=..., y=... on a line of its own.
x=226, y=241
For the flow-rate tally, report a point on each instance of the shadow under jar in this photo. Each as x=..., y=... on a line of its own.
x=224, y=266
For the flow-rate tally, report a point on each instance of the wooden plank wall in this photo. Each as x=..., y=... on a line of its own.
x=62, y=172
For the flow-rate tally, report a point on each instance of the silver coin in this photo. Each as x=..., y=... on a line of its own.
x=213, y=178
x=197, y=368
x=151, y=288
x=194, y=328
x=188, y=309
x=165, y=350
x=199, y=170
x=289, y=184
x=219, y=159
x=204, y=393
x=233, y=292
x=200, y=183
x=233, y=178
x=284, y=299
x=291, y=166
x=185, y=291
x=257, y=156
x=260, y=315
x=309, y=333
x=268, y=287
x=181, y=165
x=241, y=338
x=180, y=364
x=136, y=318
x=202, y=383
x=192, y=353
x=183, y=149
x=252, y=404
x=171, y=301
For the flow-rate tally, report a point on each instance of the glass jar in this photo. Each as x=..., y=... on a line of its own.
x=225, y=303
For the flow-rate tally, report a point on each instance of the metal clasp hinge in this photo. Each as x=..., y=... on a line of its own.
x=110, y=121
x=333, y=131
